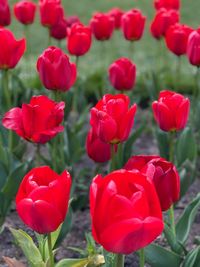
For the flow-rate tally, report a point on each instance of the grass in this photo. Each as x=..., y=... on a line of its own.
x=145, y=54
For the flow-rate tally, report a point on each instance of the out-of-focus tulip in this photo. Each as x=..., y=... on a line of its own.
x=96, y=149
x=71, y=20
x=37, y=122
x=193, y=48
x=79, y=39
x=51, y=11
x=168, y=4
x=162, y=21
x=59, y=30
x=43, y=198
x=122, y=74
x=11, y=50
x=112, y=119
x=5, y=16
x=125, y=211
x=55, y=70
x=171, y=111
x=132, y=24
x=25, y=11
x=177, y=37
x=116, y=13
x=102, y=26
x=163, y=175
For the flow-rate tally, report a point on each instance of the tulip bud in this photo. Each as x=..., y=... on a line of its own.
x=122, y=74
x=55, y=70
x=11, y=50
x=79, y=39
x=25, y=11
x=116, y=13
x=168, y=4
x=193, y=48
x=162, y=21
x=171, y=111
x=102, y=26
x=132, y=24
x=5, y=16
x=59, y=30
x=43, y=198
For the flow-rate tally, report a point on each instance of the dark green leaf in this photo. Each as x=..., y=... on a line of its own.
x=193, y=258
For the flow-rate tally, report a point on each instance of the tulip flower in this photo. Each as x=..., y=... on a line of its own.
x=125, y=211
x=5, y=16
x=11, y=50
x=55, y=70
x=171, y=111
x=162, y=21
x=71, y=20
x=116, y=13
x=59, y=30
x=37, y=122
x=25, y=11
x=79, y=39
x=51, y=11
x=193, y=48
x=132, y=24
x=112, y=119
x=43, y=198
x=102, y=26
x=168, y=4
x=122, y=74
x=163, y=175
x=177, y=37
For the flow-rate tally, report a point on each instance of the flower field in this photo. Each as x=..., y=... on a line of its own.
x=99, y=135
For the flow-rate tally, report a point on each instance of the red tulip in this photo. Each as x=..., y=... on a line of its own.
x=116, y=13
x=55, y=70
x=71, y=20
x=112, y=119
x=168, y=4
x=11, y=50
x=5, y=16
x=51, y=12
x=163, y=175
x=162, y=21
x=102, y=26
x=25, y=11
x=43, y=198
x=125, y=211
x=122, y=74
x=177, y=37
x=79, y=39
x=193, y=48
x=37, y=122
x=96, y=149
x=171, y=111
x=132, y=24
x=59, y=30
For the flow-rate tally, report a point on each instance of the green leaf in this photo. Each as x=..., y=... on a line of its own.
x=163, y=143
x=186, y=147
x=158, y=256
x=185, y=222
x=175, y=246
x=110, y=259
x=73, y=263
x=193, y=258
x=27, y=245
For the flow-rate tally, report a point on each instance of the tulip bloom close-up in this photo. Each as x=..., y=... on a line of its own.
x=163, y=175
x=112, y=119
x=122, y=74
x=171, y=111
x=79, y=39
x=55, y=70
x=102, y=26
x=5, y=16
x=11, y=50
x=125, y=211
x=25, y=11
x=37, y=122
x=42, y=199
x=193, y=48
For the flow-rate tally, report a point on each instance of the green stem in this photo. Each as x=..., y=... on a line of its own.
x=142, y=257
x=196, y=85
x=76, y=62
x=172, y=220
x=171, y=147
x=119, y=260
x=5, y=82
x=49, y=35
x=131, y=48
x=178, y=72
x=113, y=158
x=38, y=154
x=51, y=257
